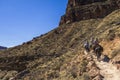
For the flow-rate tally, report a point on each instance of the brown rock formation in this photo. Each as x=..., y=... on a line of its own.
x=87, y=9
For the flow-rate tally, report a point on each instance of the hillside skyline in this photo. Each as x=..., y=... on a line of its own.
x=21, y=20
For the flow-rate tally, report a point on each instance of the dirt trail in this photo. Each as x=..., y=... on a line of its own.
x=108, y=70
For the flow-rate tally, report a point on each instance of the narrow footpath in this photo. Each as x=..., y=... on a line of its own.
x=108, y=70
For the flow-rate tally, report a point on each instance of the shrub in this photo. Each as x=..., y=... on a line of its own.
x=85, y=76
x=83, y=65
x=111, y=35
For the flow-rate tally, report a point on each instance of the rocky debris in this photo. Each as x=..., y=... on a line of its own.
x=99, y=77
x=90, y=57
x=94, y=72
x=88, y=9
x=92, y=68
x=116, y=61
x=108, y=70
x=91, y=64
x=117, y=64
x=99, y=70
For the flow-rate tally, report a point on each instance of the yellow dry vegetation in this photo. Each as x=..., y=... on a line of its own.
x=59, y=54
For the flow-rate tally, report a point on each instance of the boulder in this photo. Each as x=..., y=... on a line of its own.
x=94, y=72
x=98, y=77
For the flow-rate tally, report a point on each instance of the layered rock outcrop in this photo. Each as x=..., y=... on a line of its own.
x=88, y=9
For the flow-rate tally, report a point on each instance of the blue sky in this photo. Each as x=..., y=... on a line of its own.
x=21, y=20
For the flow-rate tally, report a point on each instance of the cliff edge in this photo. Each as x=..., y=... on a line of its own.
x=78, y=10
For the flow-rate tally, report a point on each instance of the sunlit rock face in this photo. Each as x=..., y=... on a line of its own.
x=88, y=9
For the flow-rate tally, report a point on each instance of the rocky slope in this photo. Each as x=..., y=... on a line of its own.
x=59, y=54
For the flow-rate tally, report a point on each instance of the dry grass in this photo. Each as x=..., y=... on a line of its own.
x=58, y=55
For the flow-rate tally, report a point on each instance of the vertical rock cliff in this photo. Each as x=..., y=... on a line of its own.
x=87, y=9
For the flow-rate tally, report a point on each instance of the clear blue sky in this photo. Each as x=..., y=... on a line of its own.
x=21, y=20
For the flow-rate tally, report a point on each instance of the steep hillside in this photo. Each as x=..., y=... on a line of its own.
x=44, y=55
x=59, y=55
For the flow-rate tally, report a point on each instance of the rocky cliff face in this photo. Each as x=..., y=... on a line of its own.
x=88, y=9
